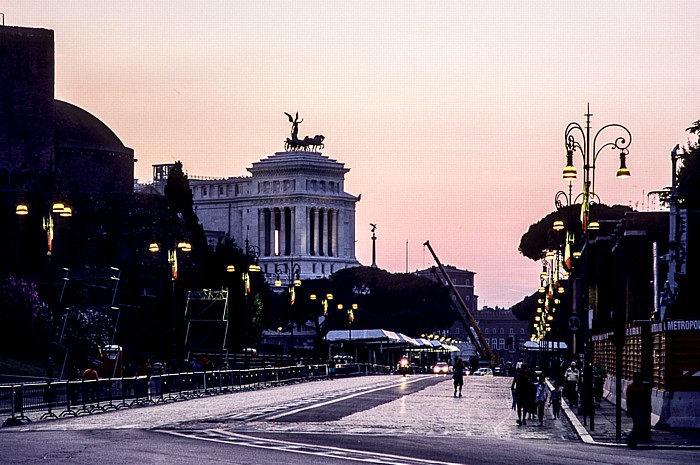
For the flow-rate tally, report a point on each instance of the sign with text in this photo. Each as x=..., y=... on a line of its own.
x=676, y=325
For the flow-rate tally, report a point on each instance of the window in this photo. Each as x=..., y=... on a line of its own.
x=501, y=331
x=522, y=330
x=204, y=191
x=221, y=190
x=501, y=343
x=510, y=331
x=486, y=330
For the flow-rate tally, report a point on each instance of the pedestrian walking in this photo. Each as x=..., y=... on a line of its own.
x=541, y=398
x=523, y=392
x=636, y=408
x=90, y=378
x=571, y=385
x=513, y=393
x=458, y=376
x=555, y=401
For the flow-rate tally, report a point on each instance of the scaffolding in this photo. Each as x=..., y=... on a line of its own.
x=85, y=292
x=206, y=322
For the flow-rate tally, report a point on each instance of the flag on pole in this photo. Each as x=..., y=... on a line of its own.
x=325, y=306
x=292, y=294
x=585, y=209
x=351, y=316
x=567, y=250
x=246, y=283
x=48, y=226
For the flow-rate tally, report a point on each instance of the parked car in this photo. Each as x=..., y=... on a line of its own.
x=441, y=368
x=483, y=372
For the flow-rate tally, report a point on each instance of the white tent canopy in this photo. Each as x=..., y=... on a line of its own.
x=544, y=345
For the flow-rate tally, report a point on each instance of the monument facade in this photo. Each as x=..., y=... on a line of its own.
x=292, y=211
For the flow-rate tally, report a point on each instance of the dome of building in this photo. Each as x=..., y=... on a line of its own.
x=77, y=128
x=89, y=156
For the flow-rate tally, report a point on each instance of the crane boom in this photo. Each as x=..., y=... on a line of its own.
x=484, y=348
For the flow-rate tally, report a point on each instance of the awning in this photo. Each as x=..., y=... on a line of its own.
x=544, y=345
x=363, y=335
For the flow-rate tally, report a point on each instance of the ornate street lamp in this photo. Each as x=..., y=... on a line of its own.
x=589, y=147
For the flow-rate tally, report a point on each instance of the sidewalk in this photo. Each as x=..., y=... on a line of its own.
x=605, y=430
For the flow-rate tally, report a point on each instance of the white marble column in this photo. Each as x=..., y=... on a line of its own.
x=283, y=231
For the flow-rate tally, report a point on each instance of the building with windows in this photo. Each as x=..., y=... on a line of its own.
x=463, y=281
x=504, y=332
x=292, y=210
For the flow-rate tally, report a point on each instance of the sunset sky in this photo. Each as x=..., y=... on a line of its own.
x=450, y=114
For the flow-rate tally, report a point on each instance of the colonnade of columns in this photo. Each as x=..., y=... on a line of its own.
x=322, y=239
x=278, y=233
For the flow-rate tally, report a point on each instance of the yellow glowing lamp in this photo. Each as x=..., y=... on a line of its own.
x=230, y=268
x=66, y=212
x=623, y=172
x=594, y=226
x=184, y=246
x=569, y=170
x=22, y=209
x=312, y=297
x=254, y=268
x=558, y=225
x=57, y=207
x=153, y=247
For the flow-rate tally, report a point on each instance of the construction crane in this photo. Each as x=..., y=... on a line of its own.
x=481, y=344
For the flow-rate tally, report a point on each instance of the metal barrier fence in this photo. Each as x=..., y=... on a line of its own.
x=54, y=399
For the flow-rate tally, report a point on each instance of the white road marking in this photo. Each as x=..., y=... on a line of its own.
x=350, y=396
x=226, y=437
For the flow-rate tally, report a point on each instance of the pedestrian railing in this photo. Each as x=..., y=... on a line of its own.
x=55, y=399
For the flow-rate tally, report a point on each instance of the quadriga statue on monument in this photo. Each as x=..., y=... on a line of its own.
x=295, y=144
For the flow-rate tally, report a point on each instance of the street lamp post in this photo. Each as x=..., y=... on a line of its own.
x=60, y=209
x=292, y=274
x=350, y=311
x=320, y=320
x=250, y=266
x=579, y=139
x=184, y=247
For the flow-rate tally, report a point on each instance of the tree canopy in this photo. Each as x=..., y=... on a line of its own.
x=398, y=302
x=541, y=237
x=689, y=171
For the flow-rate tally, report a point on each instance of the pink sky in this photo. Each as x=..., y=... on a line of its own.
x=450, y=115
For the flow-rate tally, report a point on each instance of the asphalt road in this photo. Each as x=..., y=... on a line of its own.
x=385, y=420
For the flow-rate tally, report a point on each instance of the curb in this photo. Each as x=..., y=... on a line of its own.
x=586, y=437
